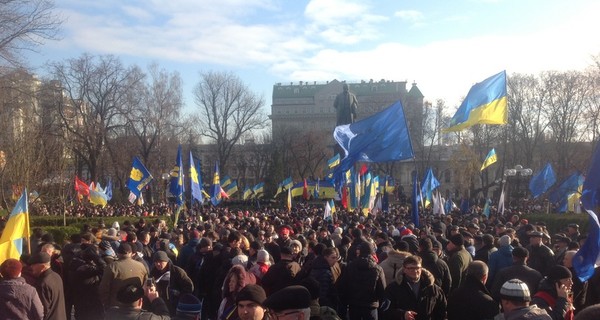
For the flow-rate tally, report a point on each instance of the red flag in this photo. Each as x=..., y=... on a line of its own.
x=305, y=190
x=345, y=198
x=363, y=169
x=81, y=187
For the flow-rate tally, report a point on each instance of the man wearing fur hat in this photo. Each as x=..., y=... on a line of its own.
x=414, y=294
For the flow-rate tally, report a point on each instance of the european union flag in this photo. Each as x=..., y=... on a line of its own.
x=17, y=228
x=429, y=184
x=381, y=137
x=542, y=182
x=139, y=177
x=486, y=103
x=176, y=183
x=196, y=179
x=109, y=189
x=415, y=202
x=585, y=259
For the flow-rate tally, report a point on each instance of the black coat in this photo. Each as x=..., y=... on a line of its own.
x=85, y=273
x=439, y=268
x=171, y=288
x=541, y=258
x=430, y=303
x=362, y=283
x=280, y=275
x=50, y=289
x=530, y=276
x=473, y=301
x=321, y=271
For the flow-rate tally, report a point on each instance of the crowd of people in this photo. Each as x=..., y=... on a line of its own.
x=222, y=264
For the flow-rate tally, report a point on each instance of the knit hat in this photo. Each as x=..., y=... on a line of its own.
x=396, y=233
x=262, y=255
x=112, y=232
x=39, y=257
x=558, y=272
x=296, y=243
x=288, y=298
x=205, y=242
x=130, y=293
x=124, y=248
x=11, y=268
x=520, y=252
x=194, y=234
x=252, y=292
x=366, y=249
x=457, y=239
x=160, y=256
x=504, y=241
x=516, y=290
x=241, y=260
x=189, y=305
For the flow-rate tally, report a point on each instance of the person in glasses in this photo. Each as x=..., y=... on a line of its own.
x=413, y=294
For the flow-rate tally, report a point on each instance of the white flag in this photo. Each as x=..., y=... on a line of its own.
x=501, y=203
x=327, y=214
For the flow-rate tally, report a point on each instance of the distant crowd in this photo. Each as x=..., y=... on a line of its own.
x=229, y=264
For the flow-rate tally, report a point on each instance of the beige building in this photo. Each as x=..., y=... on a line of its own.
x=308, y=106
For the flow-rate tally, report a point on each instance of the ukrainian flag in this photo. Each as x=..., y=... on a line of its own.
x=333, y=161
x=491, y=158
x=486, y=103
x=247, y=193
x=17, y=228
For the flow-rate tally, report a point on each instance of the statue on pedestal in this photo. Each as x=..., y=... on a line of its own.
x=346, y=105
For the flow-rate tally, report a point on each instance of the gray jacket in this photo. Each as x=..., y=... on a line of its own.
x=19, y=300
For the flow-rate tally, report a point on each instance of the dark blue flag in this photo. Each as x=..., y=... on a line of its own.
x=542, y=181
x=381, y=137
x=585, y=259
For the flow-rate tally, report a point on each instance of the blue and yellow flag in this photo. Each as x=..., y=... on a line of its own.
x=196, y=180
x=259, y=188
x=17, y=228
x=215, y=189
x=225, y=182
x=247, y=193
x=287, y=183
x=98, y=197
x=491, y=158
x=486, y=103
x=138, y=178
x=176, y=180
x=333, y=161
x=232, y=188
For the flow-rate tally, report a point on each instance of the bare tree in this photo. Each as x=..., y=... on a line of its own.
x=527, y=113
x=25, y=24
x=228, y=111
x=566, y=96
x=155, y=109
x=96, y=89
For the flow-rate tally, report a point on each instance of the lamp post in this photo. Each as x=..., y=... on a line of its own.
x=518, y=171
x=165, y=177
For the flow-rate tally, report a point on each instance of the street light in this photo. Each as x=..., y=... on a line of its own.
x=165, y=177
x=519, y=172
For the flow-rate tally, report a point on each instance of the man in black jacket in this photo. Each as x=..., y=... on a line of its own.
x=435, y=265
x=130, y=299
x=472, y=299
x=362, y=284
x=519, y=270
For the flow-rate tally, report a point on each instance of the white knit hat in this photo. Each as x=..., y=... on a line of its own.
x=515, y=289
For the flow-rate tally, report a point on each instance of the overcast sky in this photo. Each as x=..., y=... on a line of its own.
x=445, y=46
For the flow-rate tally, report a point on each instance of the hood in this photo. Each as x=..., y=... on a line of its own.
x=426, y=280
x=428, y=256
x=505, y=251
x=320, y=263
x=364, y=263
x=548, y=286
x=396, y=256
